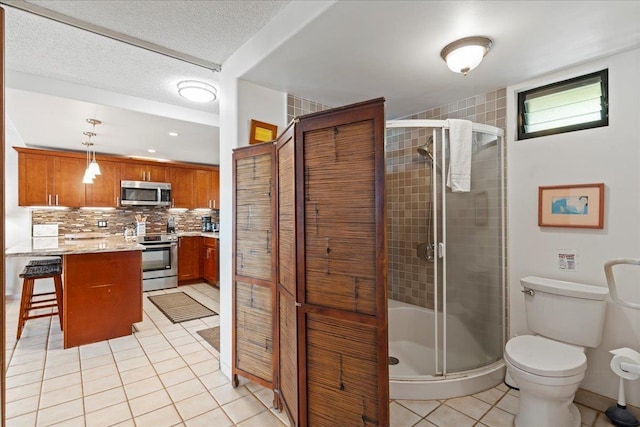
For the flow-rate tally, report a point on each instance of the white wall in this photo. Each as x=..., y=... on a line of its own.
x=610, y=155
x=17, y=219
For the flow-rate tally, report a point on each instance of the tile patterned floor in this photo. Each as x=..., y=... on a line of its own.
x=163, y=375
x=166, y=375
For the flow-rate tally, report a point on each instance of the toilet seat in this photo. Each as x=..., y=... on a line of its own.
x=544, y=357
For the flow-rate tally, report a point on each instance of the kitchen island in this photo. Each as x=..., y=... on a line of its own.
x=102, y=285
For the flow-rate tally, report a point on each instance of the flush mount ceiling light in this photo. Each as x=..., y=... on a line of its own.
x=197, y=91
x=465, y=54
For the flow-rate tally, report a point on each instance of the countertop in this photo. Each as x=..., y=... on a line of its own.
x=49, y=246
x=210, y=235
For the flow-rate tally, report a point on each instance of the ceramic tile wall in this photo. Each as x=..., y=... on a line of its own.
x=297, y=106
x=86, y=220
x=408, y=183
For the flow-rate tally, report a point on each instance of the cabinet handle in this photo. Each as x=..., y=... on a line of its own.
x=179, y=243
x=149, y=176
x=56, y=200
x=210, y=204
x=214, y=204
x=208, y=250
x=49, y=199
x=117, y=201
x=173, y=203
x=143, y=175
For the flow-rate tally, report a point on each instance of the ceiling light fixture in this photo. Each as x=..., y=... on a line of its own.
x=173, y=134
x=93, y=169
x=151, y=150
x=197, y=91
x=466, y=54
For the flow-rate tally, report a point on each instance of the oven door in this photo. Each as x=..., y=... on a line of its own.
x=159, y=260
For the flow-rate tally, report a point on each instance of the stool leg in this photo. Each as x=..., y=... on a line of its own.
x=25, y=300
x=58, y=284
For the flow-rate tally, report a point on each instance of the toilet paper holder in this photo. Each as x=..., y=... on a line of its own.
x=625, y=362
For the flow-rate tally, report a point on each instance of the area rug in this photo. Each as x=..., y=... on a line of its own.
x=212, y=336
x=180, y=307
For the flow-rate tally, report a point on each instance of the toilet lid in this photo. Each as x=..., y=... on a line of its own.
x=542, y=356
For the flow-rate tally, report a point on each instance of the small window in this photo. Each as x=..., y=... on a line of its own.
x=575, y=104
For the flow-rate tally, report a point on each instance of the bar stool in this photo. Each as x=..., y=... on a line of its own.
x=40, y=269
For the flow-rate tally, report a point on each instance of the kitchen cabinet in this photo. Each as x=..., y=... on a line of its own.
x=135, y=171
x=102, y=296
x=210, y=260
x=182, y=187
x=331, y=276
x=50, y=178
x=253, y=284
x=105, y=190
x=46, y=180
x=207, y=188
x=189, y=263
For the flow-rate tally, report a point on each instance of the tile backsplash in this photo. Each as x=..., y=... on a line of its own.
x=86, y=220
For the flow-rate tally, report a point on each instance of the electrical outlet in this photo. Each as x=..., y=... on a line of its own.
x=102, y=224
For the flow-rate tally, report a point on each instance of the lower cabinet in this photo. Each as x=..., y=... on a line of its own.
x=210, y=260
x=189, y=263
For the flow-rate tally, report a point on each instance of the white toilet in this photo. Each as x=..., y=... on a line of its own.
x=548, y=367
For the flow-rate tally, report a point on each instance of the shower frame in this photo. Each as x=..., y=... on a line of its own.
x=442, y=126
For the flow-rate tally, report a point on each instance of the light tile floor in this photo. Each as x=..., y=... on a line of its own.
x=166, y=375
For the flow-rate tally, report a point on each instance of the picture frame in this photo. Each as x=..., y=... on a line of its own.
x=262, y=132
x=573, y=206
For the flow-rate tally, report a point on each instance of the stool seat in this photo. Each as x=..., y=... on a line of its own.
x=40, y=269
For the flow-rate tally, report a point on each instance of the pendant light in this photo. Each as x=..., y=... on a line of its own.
x=93, y=169
x=465, y=54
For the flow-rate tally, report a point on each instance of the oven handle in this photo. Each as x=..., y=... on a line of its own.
x=161, y=246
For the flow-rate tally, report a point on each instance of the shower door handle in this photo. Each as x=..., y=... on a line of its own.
x=441, y=250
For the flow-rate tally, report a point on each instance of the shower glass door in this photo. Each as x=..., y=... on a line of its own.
x=471, y=271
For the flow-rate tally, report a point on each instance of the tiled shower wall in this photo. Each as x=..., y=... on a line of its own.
x=408, y=201
x=86, y=220
x=297, y=106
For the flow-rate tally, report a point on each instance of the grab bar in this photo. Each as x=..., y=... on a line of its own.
x=608, y=272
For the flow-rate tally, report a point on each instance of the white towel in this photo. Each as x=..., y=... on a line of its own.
x=460, y=144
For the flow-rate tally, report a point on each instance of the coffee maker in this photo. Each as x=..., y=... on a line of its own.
x=207, y=226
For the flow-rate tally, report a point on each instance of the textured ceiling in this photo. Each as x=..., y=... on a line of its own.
x=352, y=51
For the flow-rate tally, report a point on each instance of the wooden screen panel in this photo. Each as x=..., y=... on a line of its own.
x=342, y=375
x=286, y=218
x=254, y=217
x=254, y=329
x=340, y=227
x=287, y=329
x=288, y=362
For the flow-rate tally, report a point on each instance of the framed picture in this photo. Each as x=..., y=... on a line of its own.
x=578, y=206
x=262, y=132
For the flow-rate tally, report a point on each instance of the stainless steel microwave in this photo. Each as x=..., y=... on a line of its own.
x=145, y=193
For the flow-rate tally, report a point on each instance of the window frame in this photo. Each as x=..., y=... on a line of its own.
x=604, y=102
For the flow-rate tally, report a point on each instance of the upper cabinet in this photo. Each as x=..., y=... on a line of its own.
x=50, y=181
x=54, y=178
x=136, y=171
x=182, y=187
x=105, y=190
x=207, y=188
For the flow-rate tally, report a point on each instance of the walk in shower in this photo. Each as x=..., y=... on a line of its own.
x=446, y=266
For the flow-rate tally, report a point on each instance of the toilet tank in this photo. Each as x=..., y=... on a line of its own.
x=565, y=311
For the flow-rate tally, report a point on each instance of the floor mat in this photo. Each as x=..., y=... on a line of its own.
x=180, y=307
x=212, y=336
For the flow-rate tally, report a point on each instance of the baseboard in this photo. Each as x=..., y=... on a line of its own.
x=599, y=402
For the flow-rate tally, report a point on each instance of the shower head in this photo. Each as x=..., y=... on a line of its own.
x=423, y=150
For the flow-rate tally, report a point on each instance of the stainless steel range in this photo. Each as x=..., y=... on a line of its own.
x=159, y=261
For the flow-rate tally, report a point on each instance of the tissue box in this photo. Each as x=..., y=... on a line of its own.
x=45, y=230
